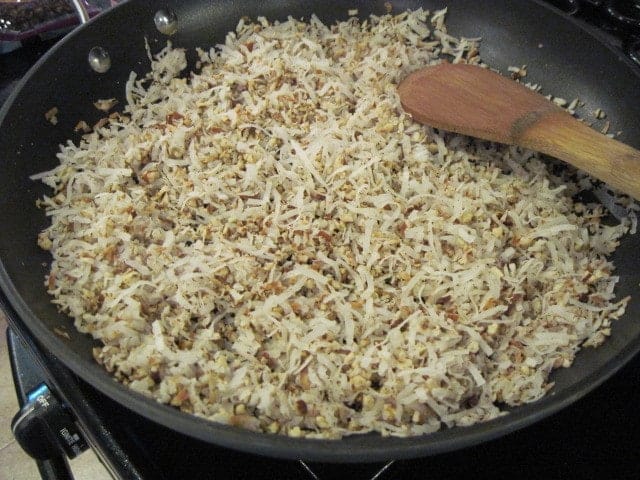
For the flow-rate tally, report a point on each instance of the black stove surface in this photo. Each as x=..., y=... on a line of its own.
x=596, y=437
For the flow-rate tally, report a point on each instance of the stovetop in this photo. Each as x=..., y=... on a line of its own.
x=596, y=437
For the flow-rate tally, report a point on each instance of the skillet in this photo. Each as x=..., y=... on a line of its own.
x=562, y=57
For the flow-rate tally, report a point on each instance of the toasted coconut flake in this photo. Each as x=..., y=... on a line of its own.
x=51, y=115
x=105, y=104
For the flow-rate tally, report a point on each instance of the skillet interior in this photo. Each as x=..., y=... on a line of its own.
x=562, y=57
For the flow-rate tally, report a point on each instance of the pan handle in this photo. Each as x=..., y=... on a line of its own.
x=81, y=10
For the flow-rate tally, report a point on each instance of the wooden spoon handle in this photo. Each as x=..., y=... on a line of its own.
x=478, y=102
x=558, y=134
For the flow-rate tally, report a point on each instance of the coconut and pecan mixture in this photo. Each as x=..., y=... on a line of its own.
x=271, y=242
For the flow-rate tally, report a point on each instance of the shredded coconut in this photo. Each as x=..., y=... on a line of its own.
x=271, y=242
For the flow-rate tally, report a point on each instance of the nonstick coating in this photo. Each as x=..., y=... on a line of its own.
x=561, y=56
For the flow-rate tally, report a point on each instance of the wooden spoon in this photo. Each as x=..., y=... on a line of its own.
x=478, y=102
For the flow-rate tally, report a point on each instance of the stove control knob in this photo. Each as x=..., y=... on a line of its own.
x=45, y=428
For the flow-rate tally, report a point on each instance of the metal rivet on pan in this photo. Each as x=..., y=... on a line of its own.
x=99, y=59
x=166, y=21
